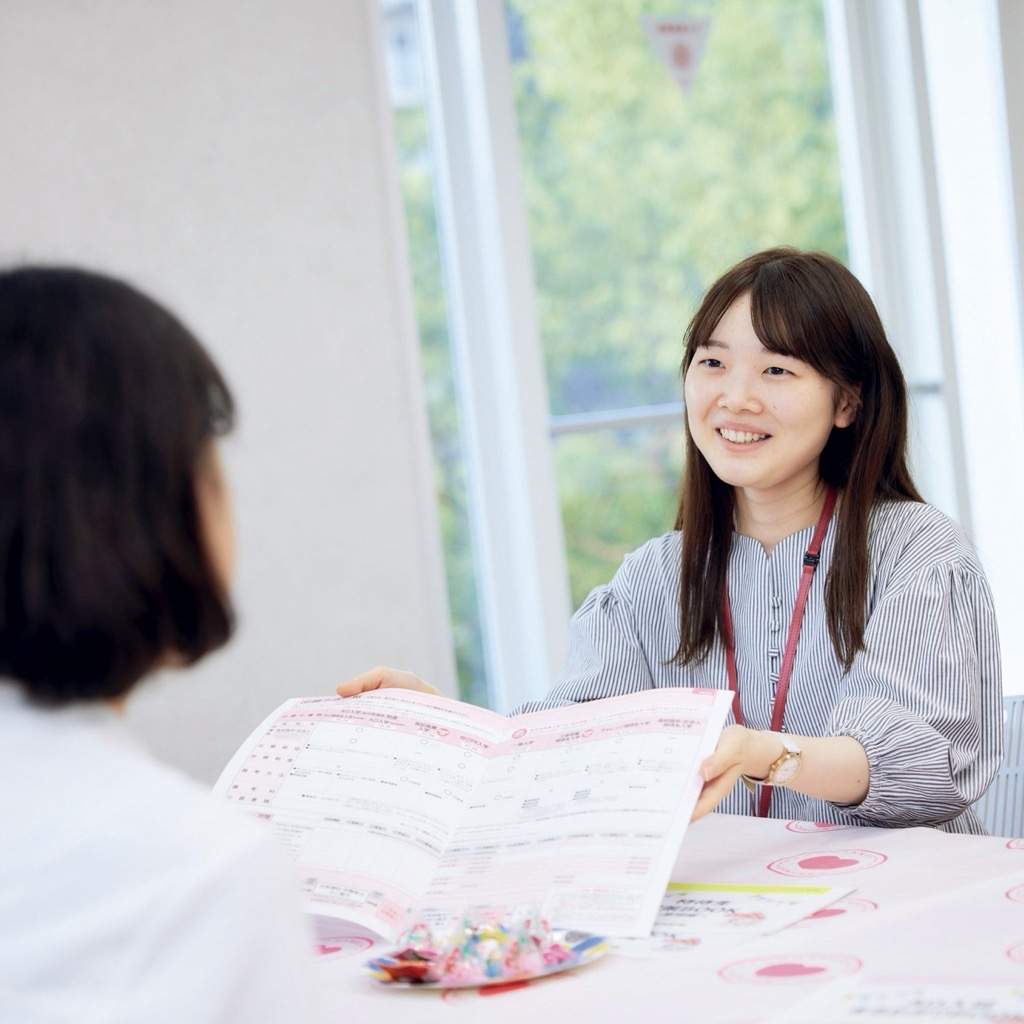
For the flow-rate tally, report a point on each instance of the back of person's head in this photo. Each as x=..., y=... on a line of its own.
x=809, y=306
x=108, y=405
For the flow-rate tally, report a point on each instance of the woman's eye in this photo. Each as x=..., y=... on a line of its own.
x=712, y=364
x=776, y=371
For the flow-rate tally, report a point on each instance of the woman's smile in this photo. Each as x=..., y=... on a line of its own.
x=760, y=418
x=741, y=437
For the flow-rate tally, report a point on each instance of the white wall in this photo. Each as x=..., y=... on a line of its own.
x=234, y=159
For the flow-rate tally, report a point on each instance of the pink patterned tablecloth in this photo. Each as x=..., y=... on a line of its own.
x=934, y=921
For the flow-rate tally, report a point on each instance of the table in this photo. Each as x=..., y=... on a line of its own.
x=932, y=913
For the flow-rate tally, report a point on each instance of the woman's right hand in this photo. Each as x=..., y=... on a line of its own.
x=380, y=678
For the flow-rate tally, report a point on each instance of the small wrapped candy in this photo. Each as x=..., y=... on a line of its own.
x=482, y=946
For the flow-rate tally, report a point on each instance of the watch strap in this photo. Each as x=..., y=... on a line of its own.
x=790, y=751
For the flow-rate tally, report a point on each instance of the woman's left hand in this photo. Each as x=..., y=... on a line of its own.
x=721, y=770
x=740, y=751
x=833, y=768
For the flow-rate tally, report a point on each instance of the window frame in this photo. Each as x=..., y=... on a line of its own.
x=922, y=121
x=496, y=351
x=902, y=152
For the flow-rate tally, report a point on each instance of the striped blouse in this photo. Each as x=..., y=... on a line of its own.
x=924, y=698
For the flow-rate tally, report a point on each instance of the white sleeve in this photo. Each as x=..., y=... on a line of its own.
x=231, y=946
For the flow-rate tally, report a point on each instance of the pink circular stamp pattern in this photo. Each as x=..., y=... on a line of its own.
x=813, y=827
x=1015, y=844
x=836, y=862
x=1016, y=953
x=790, y=970
x=1016, y=894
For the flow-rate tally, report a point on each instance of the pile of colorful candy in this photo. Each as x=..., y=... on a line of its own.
x=480, y=951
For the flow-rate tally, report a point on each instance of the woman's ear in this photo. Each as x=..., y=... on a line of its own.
x=847, y=406
x=216, y=521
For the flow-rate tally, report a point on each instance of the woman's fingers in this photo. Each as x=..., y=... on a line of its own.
x=382, y=678
x=728, y=753
x=721, y=770
x=714, y=792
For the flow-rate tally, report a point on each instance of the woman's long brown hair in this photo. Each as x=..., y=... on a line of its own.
x=809, y=306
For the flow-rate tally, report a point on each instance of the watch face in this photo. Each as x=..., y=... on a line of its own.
x=787, y=770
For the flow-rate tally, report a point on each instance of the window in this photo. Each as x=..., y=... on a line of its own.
x=638, y=196
x=567, y=205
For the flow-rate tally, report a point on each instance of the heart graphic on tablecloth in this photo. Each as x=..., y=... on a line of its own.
x=827, y=862
x=850, y=905
x=838, y=862
x=789, y=971
x=815, y=826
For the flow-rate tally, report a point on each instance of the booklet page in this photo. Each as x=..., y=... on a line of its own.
x=582, y=810
x=395, y=800
x=365, y=793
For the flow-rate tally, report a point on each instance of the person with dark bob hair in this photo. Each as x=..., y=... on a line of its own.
x=107, y=408
x=126, y=893
x=852, y=621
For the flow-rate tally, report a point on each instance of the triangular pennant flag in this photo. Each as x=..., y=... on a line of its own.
x=679, y=44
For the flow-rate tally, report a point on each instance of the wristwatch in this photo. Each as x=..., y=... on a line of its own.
x=784, y=768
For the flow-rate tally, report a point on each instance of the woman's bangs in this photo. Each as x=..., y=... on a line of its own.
x=786, y=327
x=712, y=308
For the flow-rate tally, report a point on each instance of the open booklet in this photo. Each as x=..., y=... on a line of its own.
x=396, y=800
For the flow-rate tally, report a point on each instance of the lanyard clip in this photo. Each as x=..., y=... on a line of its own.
x=811, y=559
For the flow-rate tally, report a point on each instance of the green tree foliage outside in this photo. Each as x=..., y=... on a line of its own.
x=638, y=197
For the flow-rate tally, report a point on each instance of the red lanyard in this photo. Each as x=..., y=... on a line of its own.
x=811, y=558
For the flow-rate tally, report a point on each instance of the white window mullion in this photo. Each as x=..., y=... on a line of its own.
x=921, y=118
x=518, y=545
x=965, y=83
x=884, y=134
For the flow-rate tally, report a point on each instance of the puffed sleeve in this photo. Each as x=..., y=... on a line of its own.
x=925, y=697
x=609, y=636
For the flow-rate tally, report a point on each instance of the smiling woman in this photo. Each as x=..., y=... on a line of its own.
x=881, y=702
x=830, y=392
x=548, y=480
x=761, y=420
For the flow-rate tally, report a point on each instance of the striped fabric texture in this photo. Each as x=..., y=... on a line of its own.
x=924, y=699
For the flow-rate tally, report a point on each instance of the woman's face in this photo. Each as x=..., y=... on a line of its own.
x=216, y=520
x=760, y=419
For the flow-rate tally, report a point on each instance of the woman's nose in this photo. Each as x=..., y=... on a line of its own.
x=739, y=394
